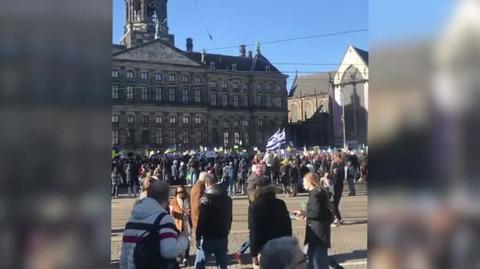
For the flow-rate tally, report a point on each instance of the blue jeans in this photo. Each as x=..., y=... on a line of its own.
x=232, y=188
x=209, y=246
x=351, y=185
x=194, y=178
x=317, y=257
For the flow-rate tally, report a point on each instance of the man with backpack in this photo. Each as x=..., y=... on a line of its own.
x=150, y=239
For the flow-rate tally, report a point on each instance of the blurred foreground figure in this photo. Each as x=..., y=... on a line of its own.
x=282, y=253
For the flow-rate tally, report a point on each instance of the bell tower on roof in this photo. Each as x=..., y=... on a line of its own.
x=145, y=21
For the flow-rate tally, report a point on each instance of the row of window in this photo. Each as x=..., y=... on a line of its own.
x=171, y=137
x=197, y=80
x=259, y=86
x=235, y=100
x=234, y=67
x=246, y=123
x=160, y=137
x=130, y=74
x=196, y=120
x=145, y=119
x=185, y=97
x=157, y=93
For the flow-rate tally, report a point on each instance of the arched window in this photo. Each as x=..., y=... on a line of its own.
x=308, y=110
x=295, y=113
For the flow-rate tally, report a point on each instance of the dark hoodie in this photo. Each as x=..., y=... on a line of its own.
x=268, y=218
x=215, y=214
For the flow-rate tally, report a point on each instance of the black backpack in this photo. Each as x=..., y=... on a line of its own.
x=146, y=254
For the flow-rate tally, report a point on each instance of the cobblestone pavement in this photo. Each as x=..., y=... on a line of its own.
x=349, y=241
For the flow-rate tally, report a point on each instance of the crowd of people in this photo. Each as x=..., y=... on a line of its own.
x=204, y=216
x=232, y=169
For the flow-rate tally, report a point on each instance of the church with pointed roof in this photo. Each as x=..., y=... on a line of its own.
x=331, y=108
x=163, y=95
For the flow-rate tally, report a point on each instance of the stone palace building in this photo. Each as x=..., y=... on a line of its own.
x=163, y=95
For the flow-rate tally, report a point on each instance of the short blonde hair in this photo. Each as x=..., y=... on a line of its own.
x=312, y=178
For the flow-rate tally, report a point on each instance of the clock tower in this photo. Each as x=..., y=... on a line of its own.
x=146, y=20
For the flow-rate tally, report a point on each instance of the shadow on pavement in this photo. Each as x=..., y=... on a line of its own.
x=346, y=223
x=354, y=255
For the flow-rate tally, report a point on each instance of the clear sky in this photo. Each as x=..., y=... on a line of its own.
x=407, y=20
x=234, y=22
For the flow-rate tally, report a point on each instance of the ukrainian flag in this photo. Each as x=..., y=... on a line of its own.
x=171, y=149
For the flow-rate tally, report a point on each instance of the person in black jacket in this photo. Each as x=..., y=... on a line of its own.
x=268, y=218
x=319, y=218
x=214, y=223
x=339, y=176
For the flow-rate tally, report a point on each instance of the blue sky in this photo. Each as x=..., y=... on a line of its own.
x=234, y=22
x=407, y=20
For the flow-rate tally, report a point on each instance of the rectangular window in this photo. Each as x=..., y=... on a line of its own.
x=173, y=137
x=130, y=74
x=224, y=85
x=224, y=100
x=130, y=136
x=114, y=73
x=158, y=137
x=130, y=92
x=234, y=67
x=212, y=65
x=260, y=137
x=173, y=120
x=235, y=85
x=130, y=119
x=214, y=100
x=185, y=95
x=158, y=77
x=278, y=101
x=115, y=137
x=198, y=120
x=145, y=136
x=158, y=119
x=213, y=84
x=171, y=95
x=259, y=100
x=198, y=80
x=144, y=91
x=246, y=139
x=185, y=137
x=225, y=138
x=114, y=91
x=268, y=100
x=198, y=137
x=237, y=138
x=259, y=86
x=172, y=77
x=197, y=96
x=145, y=119
x=269, y=87
x=235, y=100
x=144, y=75
x=158, y=94
x=114, y=118
x=245, y=100
x=185, y=79
x=185, y=120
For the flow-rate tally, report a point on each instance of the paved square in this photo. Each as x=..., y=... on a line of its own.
x=349, y=241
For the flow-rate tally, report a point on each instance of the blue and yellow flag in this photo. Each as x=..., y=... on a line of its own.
x=171, y=149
